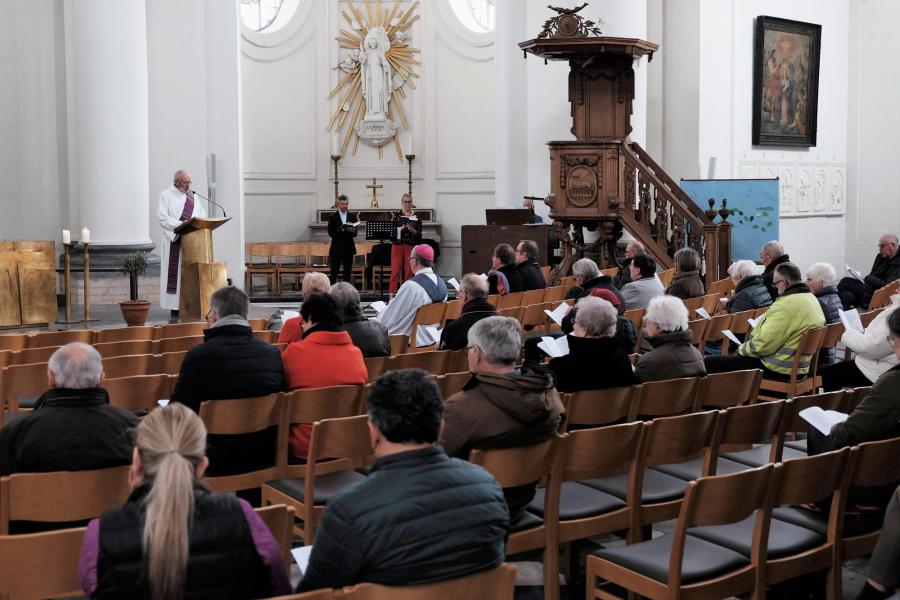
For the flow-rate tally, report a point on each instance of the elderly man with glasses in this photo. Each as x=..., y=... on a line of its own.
x=772, y=343
x=886, y=268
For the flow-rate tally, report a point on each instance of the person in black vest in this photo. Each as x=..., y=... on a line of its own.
x=173, y=538
x=425, y=287
x=473, y=296
x=528, y=266
x=885, y=269
x=231, y=363
x=504, y=278
x=341, y=230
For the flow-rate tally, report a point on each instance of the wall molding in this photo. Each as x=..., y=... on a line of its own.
x=805, y=188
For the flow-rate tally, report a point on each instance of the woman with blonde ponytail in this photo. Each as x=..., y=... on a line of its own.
x=174, y=539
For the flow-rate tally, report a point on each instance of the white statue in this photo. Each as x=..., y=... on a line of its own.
x=376, y=74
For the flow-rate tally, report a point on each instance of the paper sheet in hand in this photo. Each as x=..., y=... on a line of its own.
x=454, y=283
x=702, y=312
x=379, y=306
x=432, y=335
x=288, y=314
x=412, y=218
x=554, y=347
x=851, y=320
x=163, y=403
x=854, y=272
x=357, y=224
x=301, y=557
x=483, y=276
x=752, y=322
x=558, y=313
x=823, y=420
x=727, y=333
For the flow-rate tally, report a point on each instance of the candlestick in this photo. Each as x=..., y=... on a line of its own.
x=67, y=237
x=335, y=145
x=67, y=280
x=335, y=158
x=85, y=236
x=409, y=146
x=409, y=160
x=87, y=278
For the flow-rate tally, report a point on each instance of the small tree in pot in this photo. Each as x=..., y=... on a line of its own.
x=134, y=311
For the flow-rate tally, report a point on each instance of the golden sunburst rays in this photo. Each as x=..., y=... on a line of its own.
x=351, y=106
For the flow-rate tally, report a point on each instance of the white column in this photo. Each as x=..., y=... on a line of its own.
x=106, y=52
x=511, y=174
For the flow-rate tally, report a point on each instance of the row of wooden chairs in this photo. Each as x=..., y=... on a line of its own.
x=277, y=260
x=436, y=362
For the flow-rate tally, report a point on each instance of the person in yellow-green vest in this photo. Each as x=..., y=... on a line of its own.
x=772, y=343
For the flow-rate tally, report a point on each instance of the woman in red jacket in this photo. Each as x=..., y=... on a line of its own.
x=324, y=356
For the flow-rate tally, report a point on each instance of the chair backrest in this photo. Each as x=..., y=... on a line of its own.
x=882, y=296
x=61, y=496
x=318, y=255
x=457, y=361
x=279, y=518
x=578, y=459
x=266, y=335
x=510, y=300
x=715, y=326
x=721, y=390
x=832, y=335
x=60, y=338
x=854, y=397
x=139, y=392
x=315, y=404
x=827, y=401
x=175, y=330
x=534, y=316
x=555, y=293
x=289, y=255
x=636, y=316
x=126, y=347
x=178, y=344
x=876, y=463
x=6, y=358
x=493, y=299
x=434, y=362
x=399, y=344
x=742, y=426
x=22, y=380
x=344, y=437
x=698, y=331
x=599, y=407
x=41, y=565
x=451, y=312
x=34, y=355
x=259, y=254
x=522, y=465
x=377, y=365
x=123, y=334
x=170, y=362
x=867, y=317
x=129, y=365
x=814, y=478
x=710, y=302
x=722, y=286
x=675, y=439
x=497, y=584
x=692, y=304
x=451, y=383
x=427, y=314
x=14, y=341
x=722, y=499
x=665, y=398
x=666, y=276
x=568, y=282
x=258, y=324
x=740, y=321
x=545, y=271
x=514, y=312
x=809, y=346
x=532, y=297
x=610, y=272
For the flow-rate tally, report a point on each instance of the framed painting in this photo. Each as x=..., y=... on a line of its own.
x=785, y=82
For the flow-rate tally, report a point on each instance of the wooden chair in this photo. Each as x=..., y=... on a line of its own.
x=710, y=302
x=653, y=495
x=739, y=326
x=513, y=312
x=6, y=358
x=496, y=584
x=807, y=348
x=830, y=339
x=21, y=385
x=698, y=329
x=666, y=276
x=534, y=317
x=124, y=348
x=130, y=365
x=14, y=341
x=176, y=330
x=178, y=344
x=855, y=396
x=258, y=262
x=318, y=257
x=360, y=259
x=247, y=415
x=714, y=329
x=280, y=521
x=796, y=426
x=723, y=390
x=61, y=496
x=555, y=293
x=595, y=408
x=664, y=398
x=722, y=286
x=123, y=334
x=545, y=271
x=567, y=282
x=761, y=311
x=170, y=362
x=532, y=297
x=34, y=355
x=493, y=299
x=376, y=366
x=610, y=272
x=398, y=343
x=266, y=335
x=334, y=442
x=882, y=296
x=40, y=565
x=60, y=338
x=451, y=312
x=434, y=362
x=451, y=383
x=680, y=566
x=513, y=467
x=869, y=316
x=692, y=304
x=793, y=550
x=140, y=392
x=292, y=260
x=428, y=314
x=457, y=361
x=258, y=324
x=636, y=316
x=510, y=300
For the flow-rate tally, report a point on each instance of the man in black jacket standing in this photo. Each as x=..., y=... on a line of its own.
x=231, y=363
x=420, y=516
x=473, y=296
x=528, y=267
x=342, y=230
x=886, y=268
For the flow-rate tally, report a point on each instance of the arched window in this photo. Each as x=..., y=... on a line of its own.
x=267, y=16
x=477, y=15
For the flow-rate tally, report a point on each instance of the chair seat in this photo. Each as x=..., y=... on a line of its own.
x=785, y=538
x=690, y=470
x=658, y=487
x=325, y=488
x=854, y=524
x=796, y=445
x=759, y=455
x=526, y=521
x=702, y=560
x=577, y=501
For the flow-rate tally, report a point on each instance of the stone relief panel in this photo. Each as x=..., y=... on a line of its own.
x=805, y=188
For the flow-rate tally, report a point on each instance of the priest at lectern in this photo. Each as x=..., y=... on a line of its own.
x=176, y=205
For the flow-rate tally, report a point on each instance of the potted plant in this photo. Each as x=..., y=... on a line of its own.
x=134, y=311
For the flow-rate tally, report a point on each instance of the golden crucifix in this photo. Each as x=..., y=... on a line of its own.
x=374, y=186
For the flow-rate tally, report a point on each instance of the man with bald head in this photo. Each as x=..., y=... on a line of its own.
x=72, y=426
x=176, y=205
x=886, y=268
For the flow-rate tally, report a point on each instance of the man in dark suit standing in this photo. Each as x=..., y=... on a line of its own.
x=341, y=230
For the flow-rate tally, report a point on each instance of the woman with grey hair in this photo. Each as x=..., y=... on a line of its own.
x=686, y=283
x=673, y=355
x=821, y=280
x=595, y=359
x=750, y=291
x=371, y=337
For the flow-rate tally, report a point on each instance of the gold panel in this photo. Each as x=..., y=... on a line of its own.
x=46, y=246
x=196, y=247
x=198, y=282
x=9, y=290
x=7, y=246
x=37, y=287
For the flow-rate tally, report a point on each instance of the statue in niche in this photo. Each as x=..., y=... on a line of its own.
x=376, y=79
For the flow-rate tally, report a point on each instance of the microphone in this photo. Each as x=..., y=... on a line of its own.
x=208, y=200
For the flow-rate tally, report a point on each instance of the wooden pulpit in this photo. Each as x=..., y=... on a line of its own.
x=200, y=275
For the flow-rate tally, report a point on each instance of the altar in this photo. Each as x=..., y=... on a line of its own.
x=431, y=229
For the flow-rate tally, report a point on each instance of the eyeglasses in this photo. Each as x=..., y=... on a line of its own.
x=775, y=282
x=884, y=245
x=208, y=314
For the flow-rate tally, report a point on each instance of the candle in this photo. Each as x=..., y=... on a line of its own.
x=85, y=235
x=409, y=146
x=67, y=236
x=335, y=144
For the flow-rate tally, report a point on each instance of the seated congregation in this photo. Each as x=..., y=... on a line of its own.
x=417, y=476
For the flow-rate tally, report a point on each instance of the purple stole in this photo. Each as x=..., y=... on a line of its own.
x=175, y=247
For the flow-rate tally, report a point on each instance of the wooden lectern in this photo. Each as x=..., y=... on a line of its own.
x=200, y=276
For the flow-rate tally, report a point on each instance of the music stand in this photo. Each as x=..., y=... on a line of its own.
x=382, y=232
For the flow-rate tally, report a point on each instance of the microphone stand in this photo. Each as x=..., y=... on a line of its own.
x=212, y=201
